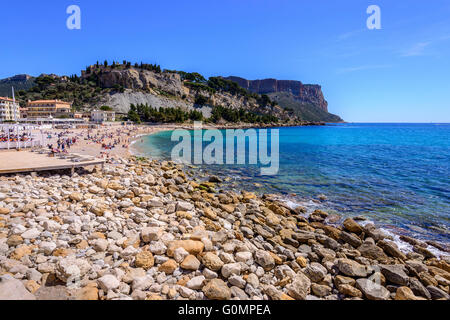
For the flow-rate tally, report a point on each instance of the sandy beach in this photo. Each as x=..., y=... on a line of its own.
x=105, y=142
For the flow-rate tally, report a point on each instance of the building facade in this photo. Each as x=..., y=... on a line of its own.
x=103, y=116
x=23, y=113
x=9, y=111
x=48, y=108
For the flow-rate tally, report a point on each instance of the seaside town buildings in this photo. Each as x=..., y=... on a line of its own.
x=9, y=111
x=50, y=112
x=48, y=108
x=103, y=116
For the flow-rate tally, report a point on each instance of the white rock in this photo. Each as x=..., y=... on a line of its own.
x=142, y=283
x=209, y=274
x=186, y=292
x=237, y=281
x=157, y=247
x=69, y=269
x=244, y=256
x=196, y=283
x=31, y=234
x=108, y=282
x=231, y=268
x=179, y=254
x=184, y=206
x=51, y=225
x=129, y=252
x=47, y=247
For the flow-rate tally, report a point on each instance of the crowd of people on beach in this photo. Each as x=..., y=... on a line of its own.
x=110, y=140
x=106, y=138
x=102, y=141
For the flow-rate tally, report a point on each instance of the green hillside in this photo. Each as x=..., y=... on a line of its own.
x=19, y=82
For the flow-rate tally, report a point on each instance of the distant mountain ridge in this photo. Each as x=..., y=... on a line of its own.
x=305, y=100
x=121, y=85
x=19, y=82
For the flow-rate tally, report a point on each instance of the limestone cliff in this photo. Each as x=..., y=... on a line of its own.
x=167, y=89
x=306, y=100
x=308, y=93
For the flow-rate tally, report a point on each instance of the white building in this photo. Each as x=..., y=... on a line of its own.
x=103, y=116
x=9, y=111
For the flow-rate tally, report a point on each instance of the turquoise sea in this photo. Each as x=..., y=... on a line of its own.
x=397, y=175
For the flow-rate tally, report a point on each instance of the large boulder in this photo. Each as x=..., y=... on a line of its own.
x=395, y=274
x=300, y=287
x=217, y=289
x=372, y=290
x=352, y=268
x=13, y=289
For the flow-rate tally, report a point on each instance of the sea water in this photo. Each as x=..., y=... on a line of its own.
x=396, y=175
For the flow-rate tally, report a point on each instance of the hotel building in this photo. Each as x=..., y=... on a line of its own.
x=48, y=108
x=9, y=111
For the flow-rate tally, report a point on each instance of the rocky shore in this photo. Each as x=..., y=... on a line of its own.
x=148, y=230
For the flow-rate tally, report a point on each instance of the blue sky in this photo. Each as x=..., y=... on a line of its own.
x=397, y=74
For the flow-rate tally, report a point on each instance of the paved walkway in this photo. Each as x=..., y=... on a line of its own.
x=26, y=161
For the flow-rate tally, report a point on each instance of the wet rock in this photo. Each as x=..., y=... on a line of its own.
x=424, y=251
x=391, y=249
x=352, y=226
x=350, y=239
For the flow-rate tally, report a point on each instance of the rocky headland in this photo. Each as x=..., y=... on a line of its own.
x=144, y=229
x=306, y=101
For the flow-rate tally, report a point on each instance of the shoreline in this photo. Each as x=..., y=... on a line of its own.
x=388, y=228
x=146, y=229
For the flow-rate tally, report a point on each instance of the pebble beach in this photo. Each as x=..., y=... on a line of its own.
x=143, y=229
